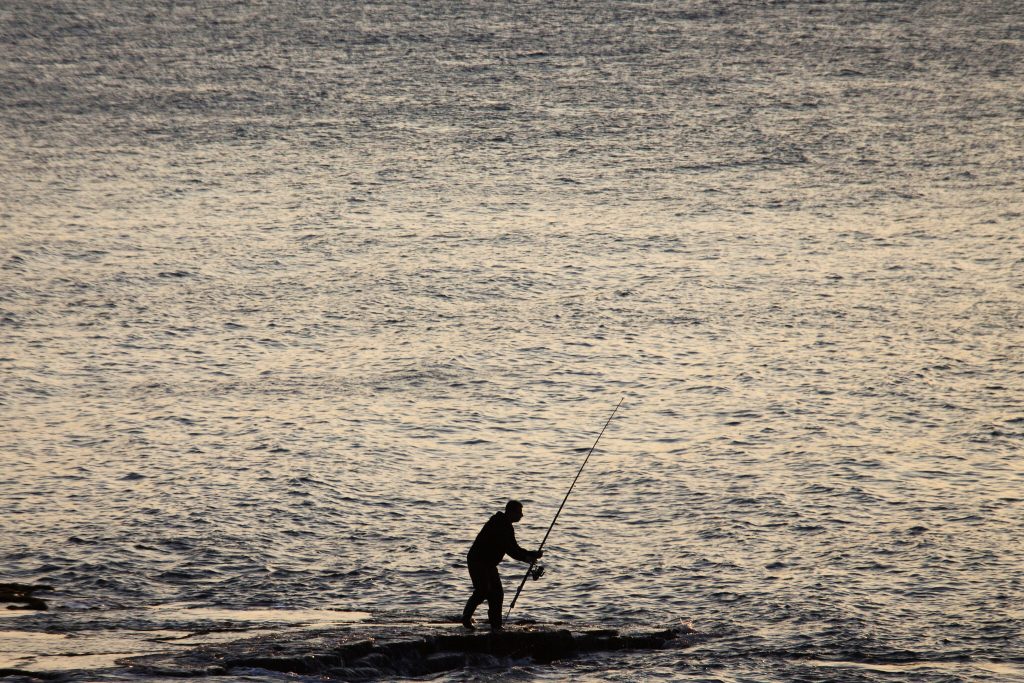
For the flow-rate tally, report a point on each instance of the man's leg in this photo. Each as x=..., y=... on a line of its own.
x=480, y=589
x=495, y=597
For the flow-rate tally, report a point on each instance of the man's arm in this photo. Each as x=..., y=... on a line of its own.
x=515, y=551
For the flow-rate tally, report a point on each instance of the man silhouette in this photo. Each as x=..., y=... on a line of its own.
x=494, y=541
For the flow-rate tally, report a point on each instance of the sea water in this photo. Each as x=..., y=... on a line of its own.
x=294, y=295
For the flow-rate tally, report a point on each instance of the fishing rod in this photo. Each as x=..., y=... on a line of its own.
x=536, y=573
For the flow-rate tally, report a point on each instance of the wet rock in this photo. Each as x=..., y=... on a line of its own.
x=21, y=595
x=542, y=646
x=443, y=661
x=29, y=675
x=376, y=651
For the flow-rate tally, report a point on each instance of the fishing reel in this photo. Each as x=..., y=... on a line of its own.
x=537, y=571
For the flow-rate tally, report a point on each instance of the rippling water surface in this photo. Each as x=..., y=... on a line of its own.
x=293, y=295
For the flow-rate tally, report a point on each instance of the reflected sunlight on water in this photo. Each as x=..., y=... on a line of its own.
x=294, y=295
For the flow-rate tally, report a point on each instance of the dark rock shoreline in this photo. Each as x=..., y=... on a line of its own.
x=383, y=651
x=21, y=595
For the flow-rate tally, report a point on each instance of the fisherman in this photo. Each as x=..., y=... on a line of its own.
x=494, y=541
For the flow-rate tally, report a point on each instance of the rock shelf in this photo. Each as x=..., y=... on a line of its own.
x=380, y=651
x=20, y=595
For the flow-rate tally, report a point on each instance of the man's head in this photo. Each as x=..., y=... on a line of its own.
x=514, y=509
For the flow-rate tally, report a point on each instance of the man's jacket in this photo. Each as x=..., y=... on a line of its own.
x=494, y=541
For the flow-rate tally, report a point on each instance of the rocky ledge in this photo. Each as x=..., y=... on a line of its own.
x=374, y=651
x=21, y=595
